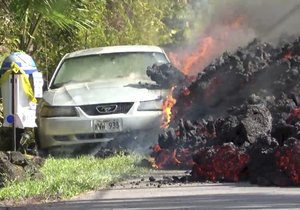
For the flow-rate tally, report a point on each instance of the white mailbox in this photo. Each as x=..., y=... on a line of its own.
x=21, y=84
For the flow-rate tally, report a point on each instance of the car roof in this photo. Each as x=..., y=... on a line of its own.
x=115, y=49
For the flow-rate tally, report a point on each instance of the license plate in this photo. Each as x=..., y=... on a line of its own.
x=107, y=126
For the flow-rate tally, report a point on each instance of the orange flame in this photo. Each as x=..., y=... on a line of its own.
x=209, y=45
x=166, y=158
x=196, y=59
x=167, y=109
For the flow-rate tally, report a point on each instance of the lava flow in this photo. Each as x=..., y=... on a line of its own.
x=243, y=119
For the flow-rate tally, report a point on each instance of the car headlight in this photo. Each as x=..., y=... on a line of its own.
x=153, y=105
x=58, y=111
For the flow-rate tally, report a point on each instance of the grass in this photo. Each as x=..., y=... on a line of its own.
x=67, y=177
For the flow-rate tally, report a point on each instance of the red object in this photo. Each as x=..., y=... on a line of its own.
x=220, y=163
x=288, y=55
x=294, y=116
x=296, y=112
x=288, y=160
x=173, y=159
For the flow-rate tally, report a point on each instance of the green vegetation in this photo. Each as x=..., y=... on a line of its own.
x=47, y=29
x=66, y=177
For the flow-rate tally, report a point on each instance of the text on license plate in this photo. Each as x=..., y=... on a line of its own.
x=108, y=125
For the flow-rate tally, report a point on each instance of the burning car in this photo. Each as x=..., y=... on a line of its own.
x=97, y=95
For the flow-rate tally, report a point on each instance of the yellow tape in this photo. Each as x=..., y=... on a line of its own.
x=15, y=68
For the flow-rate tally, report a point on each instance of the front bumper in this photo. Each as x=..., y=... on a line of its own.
x=67, y=131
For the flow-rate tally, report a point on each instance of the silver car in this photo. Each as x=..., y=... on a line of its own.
x=96, y=95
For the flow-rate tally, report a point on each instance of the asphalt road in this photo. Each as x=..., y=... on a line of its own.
x=136, y=194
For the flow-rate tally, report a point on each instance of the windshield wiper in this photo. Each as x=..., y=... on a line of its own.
x=150, y=86
x=58, y=85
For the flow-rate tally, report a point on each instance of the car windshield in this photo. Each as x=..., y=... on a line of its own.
x=107, y=66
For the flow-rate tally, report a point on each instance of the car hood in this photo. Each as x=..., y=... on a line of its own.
x=110, y=91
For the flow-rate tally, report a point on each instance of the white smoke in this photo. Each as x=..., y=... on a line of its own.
x=235, y=23
x=270, y=19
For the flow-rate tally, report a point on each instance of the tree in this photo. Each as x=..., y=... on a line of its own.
x=47, y=29
x=114, y=22
x=132, y=22
x=25, y=16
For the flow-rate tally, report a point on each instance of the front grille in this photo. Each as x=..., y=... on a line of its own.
x=104, y=109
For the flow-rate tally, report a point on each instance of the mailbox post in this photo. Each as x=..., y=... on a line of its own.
x=21, y=84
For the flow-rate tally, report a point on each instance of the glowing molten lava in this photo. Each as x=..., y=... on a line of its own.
x=288, y=55
x=210, y=44
x=167, y=109
x=296, y=112
x=171, y=158
x=288, y=160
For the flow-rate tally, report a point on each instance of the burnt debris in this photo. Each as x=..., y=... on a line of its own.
x=166, y=75
x=240, y=120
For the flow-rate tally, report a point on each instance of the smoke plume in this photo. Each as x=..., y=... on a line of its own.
x=218, y=26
